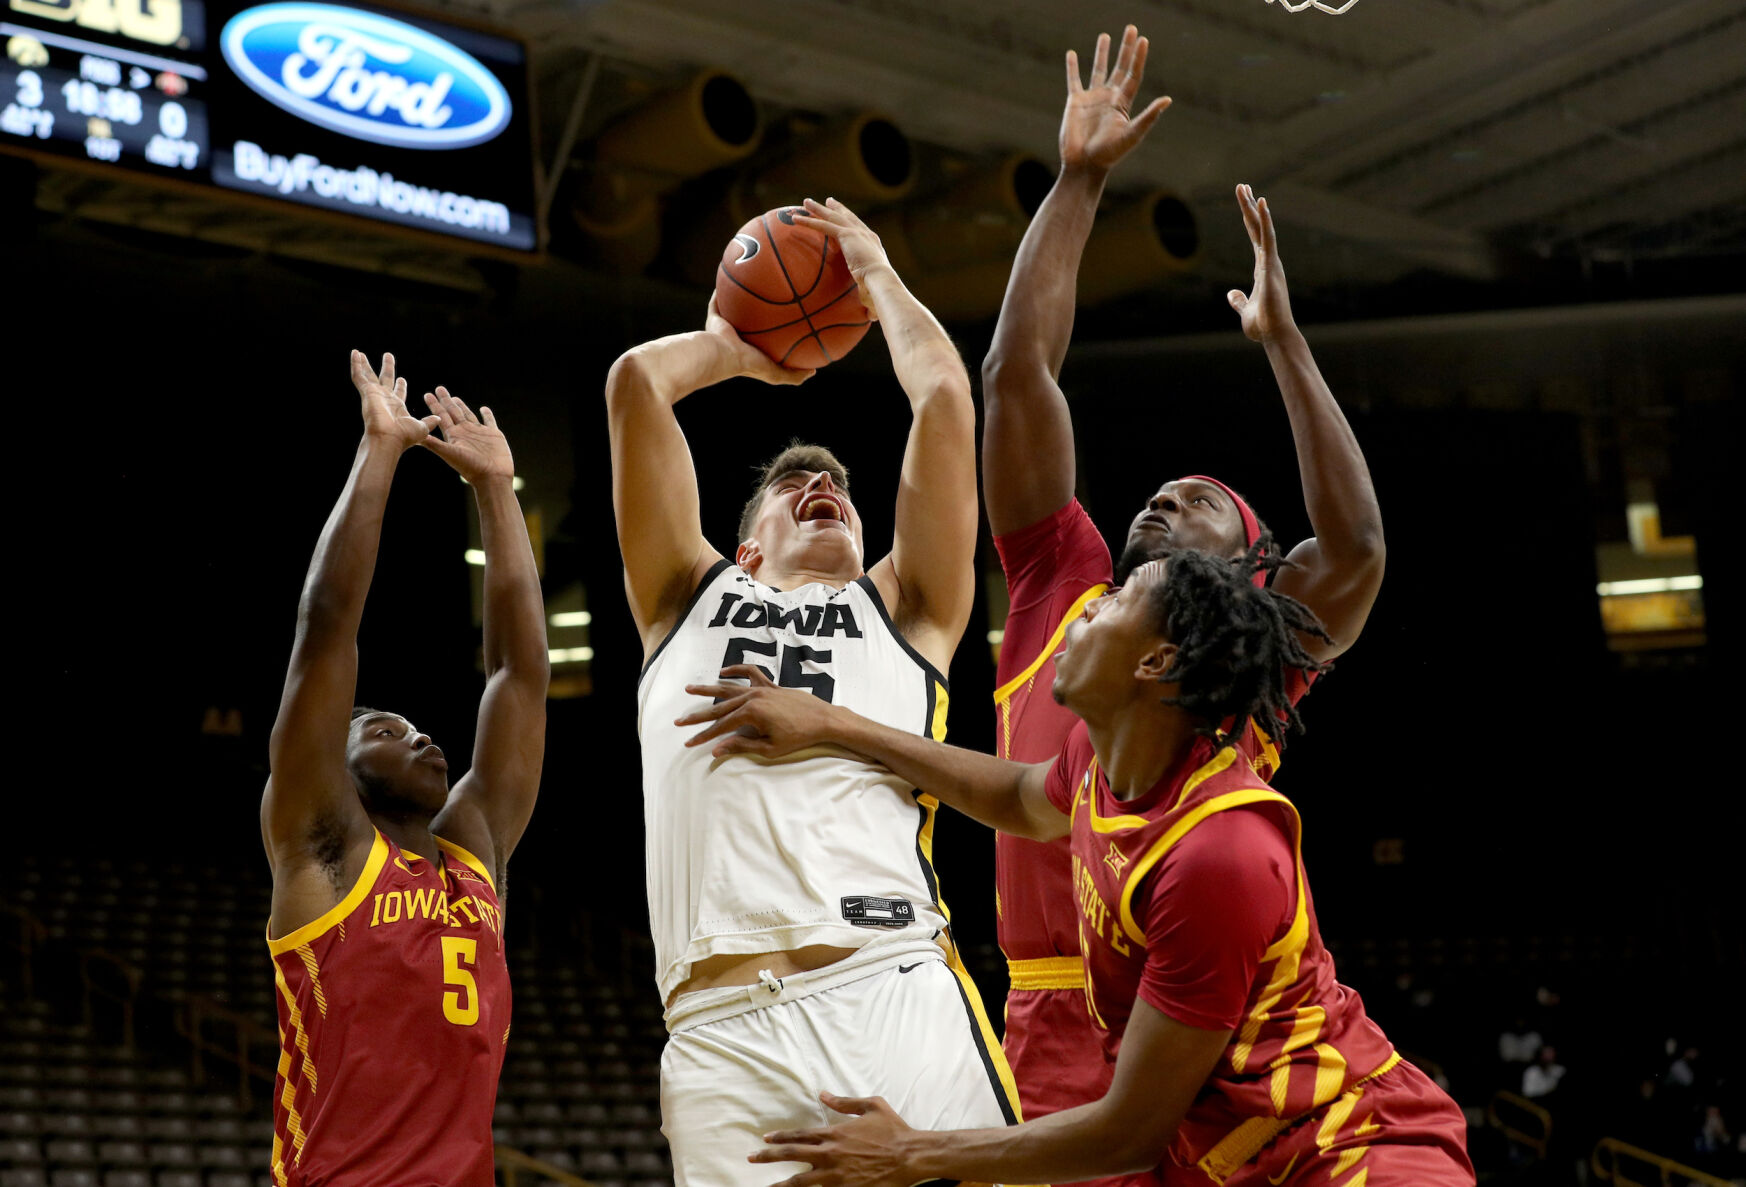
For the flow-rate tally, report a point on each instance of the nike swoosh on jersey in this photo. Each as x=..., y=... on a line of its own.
x=910, y=968
x=1286, y=1171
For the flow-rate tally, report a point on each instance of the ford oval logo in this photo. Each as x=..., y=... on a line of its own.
x=364, y=75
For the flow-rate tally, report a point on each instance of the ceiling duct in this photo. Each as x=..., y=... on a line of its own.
x=709, y=122
x=864, y=161
x=1138, y=245
x=955, y=248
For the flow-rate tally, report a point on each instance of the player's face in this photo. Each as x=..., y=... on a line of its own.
x=396, y=768
x=808, y=523
x=1115, y=652
x=1183, y=514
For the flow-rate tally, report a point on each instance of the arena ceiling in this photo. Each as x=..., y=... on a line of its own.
x=1469, y=140
x=1412, y=133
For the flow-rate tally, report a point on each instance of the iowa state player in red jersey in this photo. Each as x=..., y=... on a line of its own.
x=1237, y=1057
x=1055, y=560
x=387, y=924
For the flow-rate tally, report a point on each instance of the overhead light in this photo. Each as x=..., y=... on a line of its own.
x=1649, y=585
x=994, y=637
x=570, y=655
x=570, y=618
x=475, y=556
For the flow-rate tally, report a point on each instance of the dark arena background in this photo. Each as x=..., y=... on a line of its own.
x=1514, y=233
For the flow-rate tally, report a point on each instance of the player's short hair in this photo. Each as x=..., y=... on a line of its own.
x=1234, y=639
x=364, y=711
x=798, y=456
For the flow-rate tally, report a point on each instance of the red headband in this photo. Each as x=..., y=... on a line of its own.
x=1251, y=525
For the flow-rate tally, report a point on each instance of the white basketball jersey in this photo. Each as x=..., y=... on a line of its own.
x=750, y=855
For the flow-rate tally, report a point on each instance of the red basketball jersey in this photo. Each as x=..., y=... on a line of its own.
x=1053, y=568
x=393, y=1017
x=1301, y=1039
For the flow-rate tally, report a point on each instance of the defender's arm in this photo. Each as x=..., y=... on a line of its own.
x=654, y=485
x=1162, y=1066
x=309, y=801
x=1007, y=796
x=489, y=808
x=1338, y=571
x=1027, y=432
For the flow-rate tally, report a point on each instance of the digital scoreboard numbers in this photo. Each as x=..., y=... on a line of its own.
x=389, y=117
x=116, y=81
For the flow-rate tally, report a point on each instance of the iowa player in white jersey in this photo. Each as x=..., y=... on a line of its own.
x=793, y=904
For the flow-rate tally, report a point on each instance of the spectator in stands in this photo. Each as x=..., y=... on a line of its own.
x=1542, y=1077
x=1684, y=1071
x=1518, y=1045
x=1713, y=1140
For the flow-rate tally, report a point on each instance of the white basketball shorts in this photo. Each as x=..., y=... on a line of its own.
x=895, y=1021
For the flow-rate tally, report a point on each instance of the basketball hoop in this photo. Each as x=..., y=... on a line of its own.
x=1332, y=9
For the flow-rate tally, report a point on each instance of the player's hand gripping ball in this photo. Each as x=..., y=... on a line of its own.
x=787, y=290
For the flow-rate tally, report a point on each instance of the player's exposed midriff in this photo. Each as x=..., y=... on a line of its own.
x=716, y=972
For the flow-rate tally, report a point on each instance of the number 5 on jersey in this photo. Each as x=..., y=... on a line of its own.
x=821, y=684
x=461, y=1003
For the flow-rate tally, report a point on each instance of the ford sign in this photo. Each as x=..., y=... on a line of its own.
x=367, y=76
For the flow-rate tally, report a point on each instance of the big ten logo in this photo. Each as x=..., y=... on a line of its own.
x=155, y=22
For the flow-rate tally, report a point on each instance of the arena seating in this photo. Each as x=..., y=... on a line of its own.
x=80, y=1106
x=101, y=1087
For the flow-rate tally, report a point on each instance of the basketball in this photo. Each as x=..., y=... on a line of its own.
x=787, y=290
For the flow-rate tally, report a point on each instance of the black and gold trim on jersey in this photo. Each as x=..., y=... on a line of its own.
x=935, y=676
x=690, y=605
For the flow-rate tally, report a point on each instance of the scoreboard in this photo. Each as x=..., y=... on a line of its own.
x=372, y=112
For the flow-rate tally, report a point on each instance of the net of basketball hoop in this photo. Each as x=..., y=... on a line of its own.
x=1333, y=9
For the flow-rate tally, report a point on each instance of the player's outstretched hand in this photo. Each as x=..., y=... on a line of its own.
x=383, y=400
x=861, y=248
x=746, y=359
x=1266, y=310
x=477, y=449
x=865, y=1152
x=1097, y=129
x=762, y=718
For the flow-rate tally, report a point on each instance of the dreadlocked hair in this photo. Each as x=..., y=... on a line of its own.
x=1234, y=640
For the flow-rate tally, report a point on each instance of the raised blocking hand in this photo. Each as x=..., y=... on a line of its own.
x=475, y=448
x=383, y=403
x=1266, y=309
x=1097, y=129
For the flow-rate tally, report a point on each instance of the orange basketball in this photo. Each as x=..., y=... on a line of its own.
x=787, y=290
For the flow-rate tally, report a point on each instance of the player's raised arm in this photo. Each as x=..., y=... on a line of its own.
x=310, y=808
x=654, y=485
x=928, y=581
x=489, y=808
x=1027, y=431
x=1338, y=571
x=1010, y=797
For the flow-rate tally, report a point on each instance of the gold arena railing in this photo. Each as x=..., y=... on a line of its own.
x=216, y=1030
x=1613, y=1159
x=27, y=936
x=1521, y=1120
x=512, y=1163
x=104, y=976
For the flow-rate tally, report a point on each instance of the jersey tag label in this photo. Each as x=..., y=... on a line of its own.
x=866, y=911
